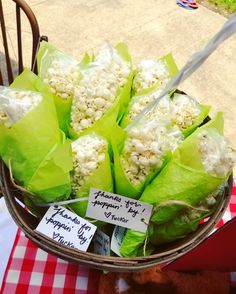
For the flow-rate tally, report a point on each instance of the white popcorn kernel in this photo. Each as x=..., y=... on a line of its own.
x=143, y=161
x=150, y=73
x=84, y=123
x=88, y=153
x=89, y=111
x=138, y=103
x=145, y=147
x=185, y=111
x=64, y=95
x=15, y=104
x=218, y=158
x=140, y=147
x=153, y=161
x=154, y=147
x=62, y=76
x=99, y=102
x=91, y=165
x=69, y=87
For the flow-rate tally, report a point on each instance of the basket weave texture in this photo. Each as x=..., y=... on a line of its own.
x=28, y=222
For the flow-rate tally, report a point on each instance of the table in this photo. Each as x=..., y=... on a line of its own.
x=27, y=269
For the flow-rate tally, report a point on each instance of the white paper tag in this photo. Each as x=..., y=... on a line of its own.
x=117, y=238
x=101, y=243
x=67, y=228
x=118, y=210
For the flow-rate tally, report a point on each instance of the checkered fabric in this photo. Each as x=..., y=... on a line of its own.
x=31, y=270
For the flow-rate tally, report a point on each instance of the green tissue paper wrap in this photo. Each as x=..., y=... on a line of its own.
x=104, y=126
x=46, y=55
x=100, y=179
x=123, y=186
x=175, y=229
x=125, y=92
x=187, y=221
x=133, y=243
x=35, y=149
x=183, y=181
x=182, y=184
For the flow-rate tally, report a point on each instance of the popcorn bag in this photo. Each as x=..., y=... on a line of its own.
x=37, y=155
x=103, y=92
x=151, y=73
x=118, y=169
x=151, y=77
x=177, y=206
x=61, y=73
x=92, y=168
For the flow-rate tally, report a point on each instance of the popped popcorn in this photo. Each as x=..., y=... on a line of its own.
x=108, y=56
x=149, y=73
x=218, y=157
x=145, y=148
x=138, y=103
x=182, y=110
x=62, y=76
x=15, y=104
x=97, y=89
x=88, y=153
x=185, y=110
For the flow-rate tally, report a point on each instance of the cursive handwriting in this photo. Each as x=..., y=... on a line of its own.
x=81, y=233
x=57, y=224
x=60, y=211
x=133, y=212
x=105, y=204
x=115, y=218
x=108, y=196
x=132, y=203
x=61, y=239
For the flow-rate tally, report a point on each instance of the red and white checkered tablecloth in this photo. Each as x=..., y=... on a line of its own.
x=32, y=270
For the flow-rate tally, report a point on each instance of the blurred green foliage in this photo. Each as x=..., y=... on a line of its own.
x=229, y=5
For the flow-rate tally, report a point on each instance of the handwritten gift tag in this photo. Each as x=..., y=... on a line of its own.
x=101, y=243
x=118, y=210
x=67, y=228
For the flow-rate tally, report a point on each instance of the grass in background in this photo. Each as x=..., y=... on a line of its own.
x=229, y=5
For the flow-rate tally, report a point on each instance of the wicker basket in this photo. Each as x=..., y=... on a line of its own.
x=28, y=222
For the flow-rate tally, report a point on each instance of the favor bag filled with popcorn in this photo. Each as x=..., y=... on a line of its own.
x=154, y=73
x=143, y=244
x=31, y=143
x=141, y=152
x=91, y=169
x=139, y=101
x=61, y=73
x=151, y=77
x=186, y=222
x=184, y=111
x=103, y=92
x=198, y=167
